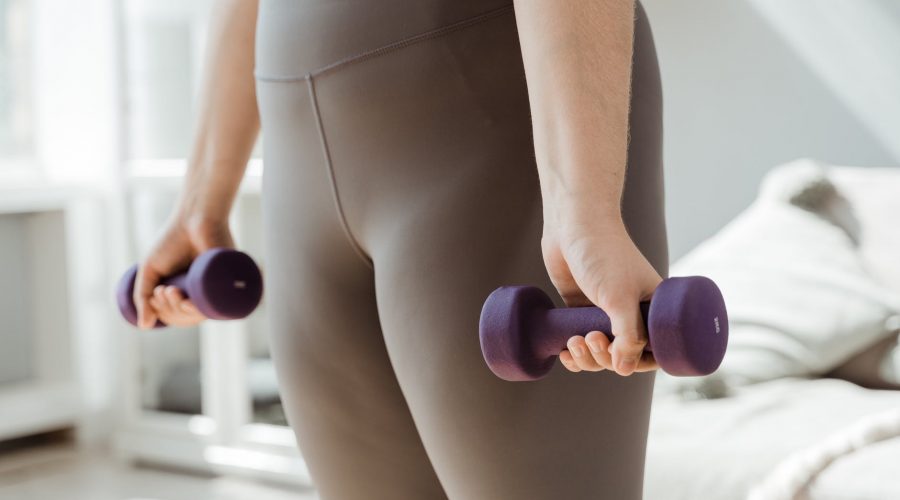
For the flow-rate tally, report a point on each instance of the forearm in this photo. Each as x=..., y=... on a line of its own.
x=228, y=122
x=577, y=57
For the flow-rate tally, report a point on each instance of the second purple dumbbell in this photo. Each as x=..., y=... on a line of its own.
x=522, y=331
x=223, y=283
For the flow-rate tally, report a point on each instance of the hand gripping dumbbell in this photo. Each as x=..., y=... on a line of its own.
x=223, y=283
x=522, y=332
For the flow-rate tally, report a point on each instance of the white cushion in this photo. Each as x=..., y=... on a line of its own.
x=800, y=300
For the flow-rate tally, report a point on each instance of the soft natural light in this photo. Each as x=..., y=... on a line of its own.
x=760, y=157
x=841, y=41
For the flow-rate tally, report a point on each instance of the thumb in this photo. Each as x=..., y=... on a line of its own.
x=630, y=336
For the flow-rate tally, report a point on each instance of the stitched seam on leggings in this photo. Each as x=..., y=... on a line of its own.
x=384, y=49
x=334, y=190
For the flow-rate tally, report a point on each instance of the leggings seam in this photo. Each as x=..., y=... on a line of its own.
x=345, y=226
x=390, y=47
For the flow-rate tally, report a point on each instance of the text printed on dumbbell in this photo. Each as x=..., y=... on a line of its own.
x=716, y=321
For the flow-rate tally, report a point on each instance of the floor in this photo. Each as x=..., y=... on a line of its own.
x=58, y=471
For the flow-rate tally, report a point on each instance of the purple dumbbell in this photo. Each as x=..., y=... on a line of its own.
x=223, y=283
x=522, y=331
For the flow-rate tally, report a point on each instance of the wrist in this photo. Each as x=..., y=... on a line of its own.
x=204, y=231
x=199, y=213
x=570, y=209
x=199, y=208
x=208, y=195
x=577, y=180
x=200, y=222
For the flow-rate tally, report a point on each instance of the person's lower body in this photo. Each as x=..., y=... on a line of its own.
x=400, y=189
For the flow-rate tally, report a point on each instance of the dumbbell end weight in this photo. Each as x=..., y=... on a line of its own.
x=688, y=326
x=504, y=329
x=223, y=283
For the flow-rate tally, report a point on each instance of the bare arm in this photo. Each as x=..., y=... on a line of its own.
x=226, y=131
x=229, y=120
x=577, y=56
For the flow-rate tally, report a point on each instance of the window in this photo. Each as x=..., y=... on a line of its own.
x=163, y=54
x=165, y=44
x=15, y=82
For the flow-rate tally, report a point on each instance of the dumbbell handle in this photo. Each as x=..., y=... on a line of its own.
x=553, y=327
x=179, y=281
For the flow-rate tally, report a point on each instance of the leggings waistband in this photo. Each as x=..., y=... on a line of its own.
x=299, y=39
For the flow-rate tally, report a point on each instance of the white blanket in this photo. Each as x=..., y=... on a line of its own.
x=790, y=479
x=720, y=449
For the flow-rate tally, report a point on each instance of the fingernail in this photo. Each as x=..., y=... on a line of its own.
x=577, y=350
x=595, y=347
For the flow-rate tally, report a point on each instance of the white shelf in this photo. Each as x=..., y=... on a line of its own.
x=35, y=195
x=32, y=407
x=41, y=390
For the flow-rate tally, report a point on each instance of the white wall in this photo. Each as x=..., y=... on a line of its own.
x=749, y=84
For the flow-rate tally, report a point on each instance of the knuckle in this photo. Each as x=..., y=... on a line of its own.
x=595, y=337
x=631, y=340
x=600, y=359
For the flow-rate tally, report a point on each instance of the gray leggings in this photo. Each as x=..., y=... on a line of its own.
x=400, y=189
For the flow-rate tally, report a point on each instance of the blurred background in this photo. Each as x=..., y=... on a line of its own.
x=97, y=107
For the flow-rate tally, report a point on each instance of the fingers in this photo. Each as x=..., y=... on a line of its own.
x=173, y=308
x=598, y=343
x=627, y=348
x=582, y=355
x=180, y=303
x=146, y=279
x=598, y=357
x=159, y=303
x=567, y=360
x=588, y=353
